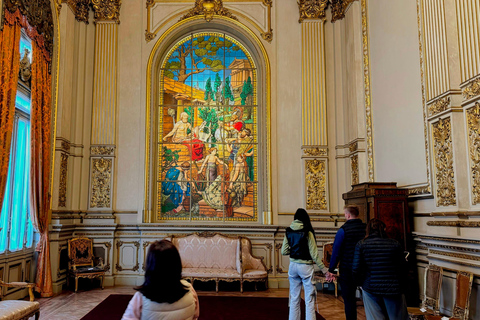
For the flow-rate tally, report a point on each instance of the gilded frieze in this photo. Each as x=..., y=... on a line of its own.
x=472, y=89
x=208, y=8
x=445, y=176
x=62, y=192
x=80, y=9
x=438, y=106
x=102, y=151
x=101, y=181
x=473, y=123
x=106, y=10
x=316, y=180
x=354, y=168
x=419, y=191
x=312, y=9
x=339, y=7
x=315, y=152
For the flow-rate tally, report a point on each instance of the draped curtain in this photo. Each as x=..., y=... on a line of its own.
x=41, y=121
x=9, y=68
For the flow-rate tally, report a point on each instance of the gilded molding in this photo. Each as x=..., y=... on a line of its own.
x=419, y=191
x=448, y=239
x=458, y=223
x=102, y=150
x=353, y=146
x=316, y=184
x=472, y=89
x=80, y=9
x=312, y=9
x=455, y=255
x=136, y=267
x=438, y=106
x=268, y=36
x=368, y=98
x=62, y=189
x=208, y=9
x=354, y=169
x=100, y=185
x=445, y=175
x=106, y=10
x=65, y=146
x=473, y=127
x=315, y=152
x=339, y=8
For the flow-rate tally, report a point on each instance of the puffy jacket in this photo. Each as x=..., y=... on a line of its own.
x=354, y=231
x=379, y=265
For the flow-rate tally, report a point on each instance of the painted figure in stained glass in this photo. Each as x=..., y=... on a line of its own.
x=208, y=120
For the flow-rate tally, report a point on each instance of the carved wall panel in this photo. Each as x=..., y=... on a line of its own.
x=443, y=158
x=101, y=176
x=472, y=89
x=354, y=169
x=62, y=192
x=473, y=127
x=128, y=256
x=316, y=184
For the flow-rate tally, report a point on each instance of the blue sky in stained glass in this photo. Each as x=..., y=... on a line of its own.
x=26, y=43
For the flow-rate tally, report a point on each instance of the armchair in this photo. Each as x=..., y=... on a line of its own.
x=327, y=255
x=18, y=309
x=80, y=265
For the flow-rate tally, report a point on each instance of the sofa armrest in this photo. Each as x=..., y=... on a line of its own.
x=249, y=261
x=30, y=287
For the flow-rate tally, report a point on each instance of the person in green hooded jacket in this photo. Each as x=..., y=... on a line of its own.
x=300, y=244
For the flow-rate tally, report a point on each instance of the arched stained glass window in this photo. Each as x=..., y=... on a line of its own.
x=207, y=150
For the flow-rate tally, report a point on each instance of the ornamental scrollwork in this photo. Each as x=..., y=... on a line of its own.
x=472, y=90
x=149, y=36
x=101, y=181
x=473, y=124
x=315, y=152
x=339, y=7
x=102, y=151
x=312, y=9
x=80, y=9
x=62, y=192
x=316, y=181
x=106, y=10
x=445, y=176
x=419, y=191
x=354, y=167
x=438, y=106
x=208, y=8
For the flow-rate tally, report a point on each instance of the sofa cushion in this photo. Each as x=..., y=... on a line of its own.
x=17, y=309
x=254, y=274
x=210, y=273
x=217, y=252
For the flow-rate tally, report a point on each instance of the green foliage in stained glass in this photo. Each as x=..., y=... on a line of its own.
x=208, y=91
x=227, y=91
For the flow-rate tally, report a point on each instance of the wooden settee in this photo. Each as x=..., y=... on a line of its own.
x=213, y=256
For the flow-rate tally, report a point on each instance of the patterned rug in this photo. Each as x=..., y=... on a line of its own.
x=211, y=308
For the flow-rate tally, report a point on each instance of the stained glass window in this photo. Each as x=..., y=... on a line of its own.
x=207, y=144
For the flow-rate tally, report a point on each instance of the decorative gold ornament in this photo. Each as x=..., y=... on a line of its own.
x=136, y=267
x=339, y=7
x=472, y=89
x=101, y=180
x=354, y=168
x=439, y=105
x=39, y=16
x=458, y=223
x=149, y=36
x=102, y=151
x=473, y=127
x=445, y=176
x=62, y=189
x=315, y=152
x=368, y=97
x=80, y=9
x=312, y=9
x=353, y=146
x=208, y=8
x=419, y=191
x=106, y=10
x=268, y=36
x=316, y=180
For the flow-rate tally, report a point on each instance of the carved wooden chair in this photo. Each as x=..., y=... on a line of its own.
x=431, y=294
x=18, y=309
x=327, y=255
x=462, y=298
x=81, y=264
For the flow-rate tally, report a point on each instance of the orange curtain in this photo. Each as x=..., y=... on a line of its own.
x=9, y=67
x=41, y=122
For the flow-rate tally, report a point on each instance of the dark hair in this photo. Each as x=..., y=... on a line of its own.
x=376, y=226
x=302, y=215
x=353, y=210
x=163, y=273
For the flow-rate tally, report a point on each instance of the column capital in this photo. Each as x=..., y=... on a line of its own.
x=312, y=9
x=106, y=10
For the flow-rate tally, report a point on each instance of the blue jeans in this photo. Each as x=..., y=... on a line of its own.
x=298, y=274
x=379, y=307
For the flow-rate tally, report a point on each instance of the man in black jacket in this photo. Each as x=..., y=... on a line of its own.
x=380, y=265
x=346, y=238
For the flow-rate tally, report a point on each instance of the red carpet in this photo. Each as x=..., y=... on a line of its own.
x=211, y=308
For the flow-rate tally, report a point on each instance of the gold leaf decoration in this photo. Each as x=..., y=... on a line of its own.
x=472, y=90
x=106, y=10
x=354, y=168
x=438, y=106
x=445, y=176
x=312, y=9
x=473, y=124
x=316, y=180
x=208, y=8
x=101, y=180
x=339, y=7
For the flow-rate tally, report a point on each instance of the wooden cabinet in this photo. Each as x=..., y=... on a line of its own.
x=384, y=201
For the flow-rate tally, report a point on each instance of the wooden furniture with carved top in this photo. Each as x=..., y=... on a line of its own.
x=81, y=264
x=462, y=297
x=431, y=294
x=18, y=309
x=327, y=255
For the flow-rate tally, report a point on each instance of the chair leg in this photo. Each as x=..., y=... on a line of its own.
x=255, y=285
x=37, y=315
x=241, y=286
x=216, y=284
x=76, y=284
x=103, y=277
x=336, y=291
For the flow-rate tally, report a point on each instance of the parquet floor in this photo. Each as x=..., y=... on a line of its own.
x=73, y=306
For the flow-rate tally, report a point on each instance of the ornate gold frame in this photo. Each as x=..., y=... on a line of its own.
x=148, y=216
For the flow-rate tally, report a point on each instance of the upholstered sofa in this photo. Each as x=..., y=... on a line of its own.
x=213, y=256
x=18, y=310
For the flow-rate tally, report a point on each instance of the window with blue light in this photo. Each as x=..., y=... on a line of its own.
x=16, y=228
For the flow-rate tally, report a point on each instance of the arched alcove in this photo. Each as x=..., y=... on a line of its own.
x=208, y=132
